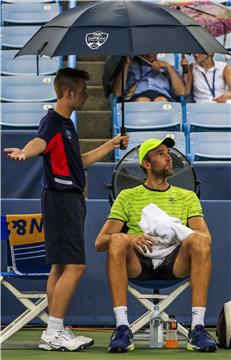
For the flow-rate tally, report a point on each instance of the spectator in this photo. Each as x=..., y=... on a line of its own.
x=149, y=79
x=208, y=80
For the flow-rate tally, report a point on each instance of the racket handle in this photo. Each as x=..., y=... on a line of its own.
x=123, y=132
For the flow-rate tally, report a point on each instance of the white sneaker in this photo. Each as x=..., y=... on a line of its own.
x=63, y=340
x=87, y=340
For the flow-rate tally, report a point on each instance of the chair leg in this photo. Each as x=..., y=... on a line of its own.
x=33, y=310
x=165, y=301
x=140, y=322
x=22, y=320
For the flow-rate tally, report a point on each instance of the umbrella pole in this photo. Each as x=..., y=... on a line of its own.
x=37, y=64
x=122, y=128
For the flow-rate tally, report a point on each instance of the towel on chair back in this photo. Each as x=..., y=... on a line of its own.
x=167, y=230
x=27, y=246
x=25, y=229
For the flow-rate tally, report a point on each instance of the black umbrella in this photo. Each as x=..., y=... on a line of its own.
x=121, y=28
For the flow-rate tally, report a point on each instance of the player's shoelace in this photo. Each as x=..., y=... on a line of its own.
x=67, y=334
x=201, y=331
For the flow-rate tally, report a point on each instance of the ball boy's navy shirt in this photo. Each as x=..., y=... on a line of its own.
x=63, y=167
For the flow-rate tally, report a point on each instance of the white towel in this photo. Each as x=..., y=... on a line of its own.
x=167, y=231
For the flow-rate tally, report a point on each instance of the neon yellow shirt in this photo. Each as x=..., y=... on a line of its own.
x=177, y=202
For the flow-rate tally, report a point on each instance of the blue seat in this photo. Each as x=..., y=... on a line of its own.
x=207, y=146
x=149, y=116
x=24, y=116
x=223, y=57
x=26, y=65
x=23, y=88
x=31, y=14
x=170, y=58
x=15, y=37
x=26, y=260
x=208, y=117
x=225, y=42
x=137, y=137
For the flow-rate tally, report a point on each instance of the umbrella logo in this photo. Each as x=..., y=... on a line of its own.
x=96, y=39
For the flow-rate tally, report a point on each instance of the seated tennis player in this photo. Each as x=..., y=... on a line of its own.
x=137, y=255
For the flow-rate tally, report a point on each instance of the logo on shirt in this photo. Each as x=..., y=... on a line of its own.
x=68, y=134
x=172, y=198
x=96, y=39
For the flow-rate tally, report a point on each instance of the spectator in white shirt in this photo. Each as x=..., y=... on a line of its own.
x=207, y=79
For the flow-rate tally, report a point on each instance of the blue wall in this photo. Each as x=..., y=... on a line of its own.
x=214, y=178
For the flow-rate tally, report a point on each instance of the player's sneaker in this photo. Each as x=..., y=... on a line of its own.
x=200, y=340
x=64, y=340
x=88, y=341
x=121, y=340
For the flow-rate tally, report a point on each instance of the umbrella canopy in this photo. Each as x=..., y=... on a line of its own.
x=121, y=28
x=215, y=17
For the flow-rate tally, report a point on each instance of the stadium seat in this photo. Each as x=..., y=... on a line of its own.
x=136, y=138
x=156, y=305
x=207, y=146
x=225, y=42
x=31, y=14
x=223, y=57
x=23, y=115
x=26, y=65
x=26, y=260
x=15, y=37
x=150, y=116
x=208, y=117
x=170, y=58
x=23, y=88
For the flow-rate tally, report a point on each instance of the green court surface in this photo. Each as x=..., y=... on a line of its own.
x=23, y=346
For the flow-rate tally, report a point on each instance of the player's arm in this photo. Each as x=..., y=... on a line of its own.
x=199, y=225
x=95, y=155
x=140, y=242
x=227, y=77
x=111, y=226
x=32, y=148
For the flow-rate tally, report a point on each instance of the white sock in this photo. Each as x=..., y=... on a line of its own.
x=198, y=314
x=121, y=314
x=54, y=324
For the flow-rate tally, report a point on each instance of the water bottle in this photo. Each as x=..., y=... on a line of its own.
x=171, y=333
x=156, y=330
